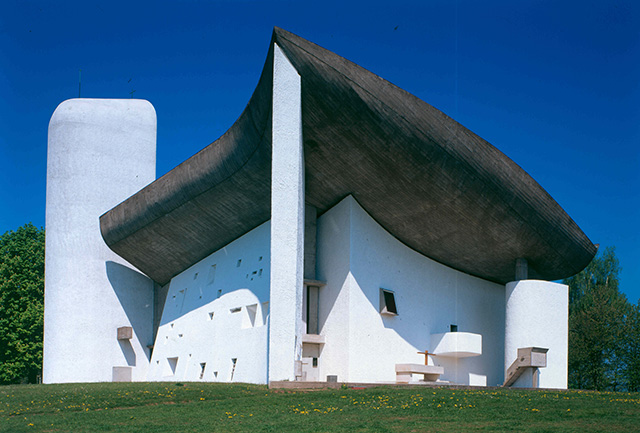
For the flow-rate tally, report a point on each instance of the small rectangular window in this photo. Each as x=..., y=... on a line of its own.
x=388, y=302
x=235, y=310
x=212, y=274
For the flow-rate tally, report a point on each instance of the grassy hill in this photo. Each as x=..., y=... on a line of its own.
x=212, y=407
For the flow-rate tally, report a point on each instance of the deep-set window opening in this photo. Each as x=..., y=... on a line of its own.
x=388, y=302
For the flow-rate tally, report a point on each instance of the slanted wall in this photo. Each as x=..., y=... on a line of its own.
x=216, y=312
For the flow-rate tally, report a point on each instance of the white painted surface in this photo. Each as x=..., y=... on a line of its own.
x=477, y=379
x=287, y=221
x=357, y=257
x=100, y=151
x=333, y=261
x=537, y=315
x=216, y=311
x=456, y=344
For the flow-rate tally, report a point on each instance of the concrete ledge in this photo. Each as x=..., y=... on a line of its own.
x=316, y=283
x=419, y=369
x=405, y=372
x=313, y=338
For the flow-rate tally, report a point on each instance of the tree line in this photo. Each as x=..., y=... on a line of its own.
x=604, y=327
x=21, y=304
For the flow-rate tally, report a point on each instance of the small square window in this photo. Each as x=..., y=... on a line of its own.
x=388, y=302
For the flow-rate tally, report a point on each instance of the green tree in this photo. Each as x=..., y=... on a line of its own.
x=632, y=346
x=597, y=322
x=21, y=304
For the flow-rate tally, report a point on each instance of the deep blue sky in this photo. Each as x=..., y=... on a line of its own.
x=554, y=85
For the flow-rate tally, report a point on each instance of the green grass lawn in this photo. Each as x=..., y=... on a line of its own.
x=210, y=407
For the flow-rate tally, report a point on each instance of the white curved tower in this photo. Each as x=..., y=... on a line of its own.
x=537, y=316
x=100, y=151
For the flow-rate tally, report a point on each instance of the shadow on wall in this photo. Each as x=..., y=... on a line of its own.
x=447, y=299
x=129, y=353
x=429, y=296
x=135, y=293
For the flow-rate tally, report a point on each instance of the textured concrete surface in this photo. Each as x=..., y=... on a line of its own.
x=287, y=222
x=436, y=186
x=100, y=151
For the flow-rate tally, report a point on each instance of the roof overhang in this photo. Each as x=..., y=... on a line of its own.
x=433, y=184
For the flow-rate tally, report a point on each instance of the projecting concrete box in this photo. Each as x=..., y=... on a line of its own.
x=533, y=356
x=456, y=344
x=125, y=333
x=529, y=358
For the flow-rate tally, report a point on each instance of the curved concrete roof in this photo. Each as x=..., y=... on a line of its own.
x=433, y=184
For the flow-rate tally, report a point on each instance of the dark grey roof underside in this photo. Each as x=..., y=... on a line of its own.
x=432, y=183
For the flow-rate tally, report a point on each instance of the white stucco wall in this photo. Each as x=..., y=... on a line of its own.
x=357, y=257
x=332, y=266
x=287, y=220
x=537, y=315
x=100, y=151
x=216, y=311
